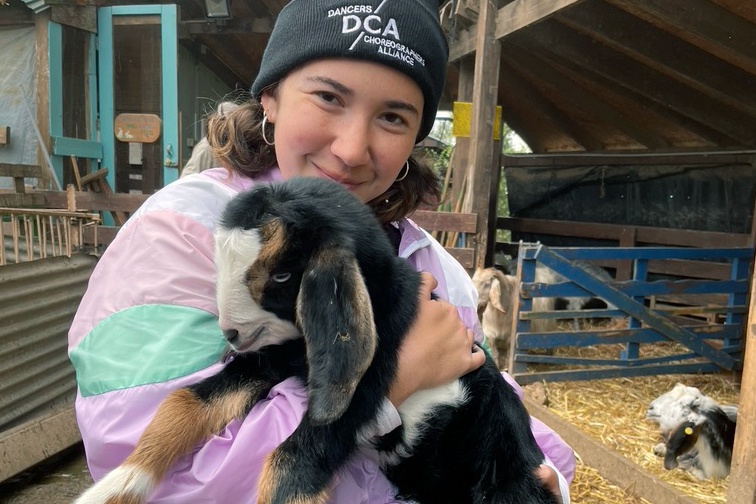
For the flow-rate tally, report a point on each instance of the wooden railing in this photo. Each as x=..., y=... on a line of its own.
x=447, y=228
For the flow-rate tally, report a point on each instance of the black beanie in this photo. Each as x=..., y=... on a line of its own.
x=403, y=34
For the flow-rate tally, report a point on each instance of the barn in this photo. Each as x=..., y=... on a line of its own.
x=639, y=114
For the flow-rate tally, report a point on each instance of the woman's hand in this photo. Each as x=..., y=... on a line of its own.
x=437, y=349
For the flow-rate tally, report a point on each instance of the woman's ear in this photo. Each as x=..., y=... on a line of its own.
x=336, y=319
x=269, y=104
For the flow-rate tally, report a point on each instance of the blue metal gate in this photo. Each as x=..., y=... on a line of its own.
x=703, y=346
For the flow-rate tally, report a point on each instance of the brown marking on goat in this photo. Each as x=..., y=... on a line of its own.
x=124, y=499
x=182, y=421
x=277, y=468
x=273, y=245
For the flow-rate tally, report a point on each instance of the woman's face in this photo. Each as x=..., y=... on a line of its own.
x=354, y=122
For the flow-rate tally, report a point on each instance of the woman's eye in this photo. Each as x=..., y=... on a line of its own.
x=280, y=277
x=395, y=119
x=327, y=97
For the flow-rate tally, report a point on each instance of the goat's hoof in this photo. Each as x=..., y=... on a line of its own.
x=660, y=450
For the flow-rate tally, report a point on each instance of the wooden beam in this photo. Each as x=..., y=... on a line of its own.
x=594, y=59
x=88, y=200
x=701, y=23
x=509, y=19
x=741, y=488
x=560, y=85
x=663, y=52
x=523, y=13
x=539, y=104
x=188, y=29
x=445, y=221
x=82, y=17
x=743, y=9
x=485, y=86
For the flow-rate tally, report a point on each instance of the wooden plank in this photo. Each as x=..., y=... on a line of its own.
x=14, y=200
x=19, y=170
x=446, y=221
x=742, y=480
x=509, y=19
x=528, y=341
x=64, y=146
x=643, y=234
x=701, y=23
x=116, y=202
x=691, y=66
x=622, y=72
x=564, y=160
x=612, y=466
x=614, y=372
x=464, y=256
x=79, y=16
x=523, y=13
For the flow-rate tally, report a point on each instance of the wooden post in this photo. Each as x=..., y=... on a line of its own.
x=485, y=88
x=742, y=485
x=42, y=89
x=462, y=143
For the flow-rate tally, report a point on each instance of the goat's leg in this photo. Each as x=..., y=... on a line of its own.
x=301, y=468
x=183, y=419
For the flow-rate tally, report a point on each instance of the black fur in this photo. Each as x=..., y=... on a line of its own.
x=713, y=439
x=482, y=451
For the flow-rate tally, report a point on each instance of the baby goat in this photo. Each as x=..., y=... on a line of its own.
x=713, y=439
x=308, y=285
x=674, y=410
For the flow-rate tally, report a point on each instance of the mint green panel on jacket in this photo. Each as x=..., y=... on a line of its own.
x=146, y=344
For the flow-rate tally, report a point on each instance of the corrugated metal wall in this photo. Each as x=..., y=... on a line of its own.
x=38, y=300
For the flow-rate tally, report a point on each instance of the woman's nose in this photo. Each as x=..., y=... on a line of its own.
x=351, y=142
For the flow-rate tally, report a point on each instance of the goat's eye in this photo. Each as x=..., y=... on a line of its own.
x=280, y=277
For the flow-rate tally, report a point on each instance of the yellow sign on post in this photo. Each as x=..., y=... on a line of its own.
x=462, y=120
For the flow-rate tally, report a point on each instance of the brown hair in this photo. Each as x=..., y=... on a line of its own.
x=236, y=141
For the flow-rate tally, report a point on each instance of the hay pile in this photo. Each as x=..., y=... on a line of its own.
x=613, y=412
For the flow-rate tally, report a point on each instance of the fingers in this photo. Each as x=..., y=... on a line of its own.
x=428, y=283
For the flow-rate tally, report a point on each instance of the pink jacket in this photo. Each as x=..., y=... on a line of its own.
x=147, y=325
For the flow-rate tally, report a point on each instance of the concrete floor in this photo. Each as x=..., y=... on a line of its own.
x=58, y=480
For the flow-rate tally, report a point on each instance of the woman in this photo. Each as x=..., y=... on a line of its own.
x=347, y=102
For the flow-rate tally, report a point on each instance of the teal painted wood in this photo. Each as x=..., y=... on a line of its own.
x=550, y=340
x=613, y=372
x=63, y=146
x=645, y=326
x=171, y=147
x=169, y=83
x=633, y=308
x=105, y=89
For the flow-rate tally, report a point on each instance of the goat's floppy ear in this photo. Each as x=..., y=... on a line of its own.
x=502, y=291
x=336, y=319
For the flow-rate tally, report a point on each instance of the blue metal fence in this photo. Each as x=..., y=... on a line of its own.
x=704, y=346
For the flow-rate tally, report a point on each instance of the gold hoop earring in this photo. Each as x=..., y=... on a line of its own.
x=406, y=172
x=262, y=130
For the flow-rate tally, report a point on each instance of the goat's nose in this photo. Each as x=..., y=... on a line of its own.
x=231, y=335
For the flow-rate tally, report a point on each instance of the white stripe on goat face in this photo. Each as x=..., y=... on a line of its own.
x=236, y=251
